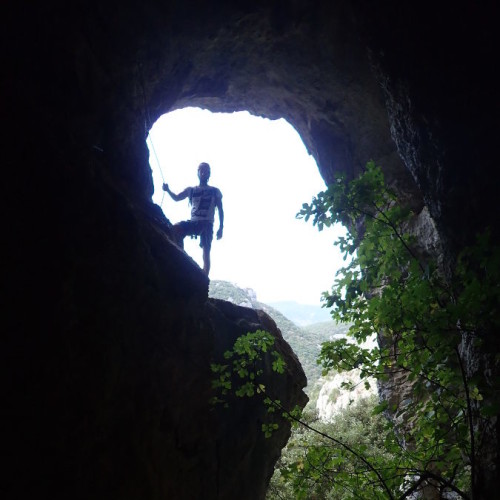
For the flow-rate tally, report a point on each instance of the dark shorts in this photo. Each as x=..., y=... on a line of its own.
x=203, y=229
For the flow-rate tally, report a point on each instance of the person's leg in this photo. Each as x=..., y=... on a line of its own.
x=206, y=237
x=178, y=236
x=180, y=231
x=206, y=260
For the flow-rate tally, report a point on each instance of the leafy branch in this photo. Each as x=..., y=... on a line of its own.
x=386, y=291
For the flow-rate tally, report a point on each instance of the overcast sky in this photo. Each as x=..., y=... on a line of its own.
x=265, y=174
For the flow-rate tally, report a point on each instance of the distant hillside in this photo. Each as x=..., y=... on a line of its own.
x=327, y=329
x=302, y=314
x=305, y=341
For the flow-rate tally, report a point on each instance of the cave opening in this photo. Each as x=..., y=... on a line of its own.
x=265, y=174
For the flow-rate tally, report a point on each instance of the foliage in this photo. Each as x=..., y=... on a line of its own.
x=245, y=361
x=305, y=341
x=424, y=324
x=243, y=374
x=420, y=319
x=312, y=466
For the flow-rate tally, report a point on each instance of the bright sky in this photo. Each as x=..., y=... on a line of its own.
x=265, y=174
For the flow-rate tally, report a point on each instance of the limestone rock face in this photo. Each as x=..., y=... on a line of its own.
x=108, y=331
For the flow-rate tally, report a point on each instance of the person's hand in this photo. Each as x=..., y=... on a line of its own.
x=165, y=187
x=219, y=233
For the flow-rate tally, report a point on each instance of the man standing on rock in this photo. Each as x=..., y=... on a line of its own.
x=203, y=200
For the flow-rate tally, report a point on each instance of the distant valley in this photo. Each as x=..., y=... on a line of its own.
x=302, y=314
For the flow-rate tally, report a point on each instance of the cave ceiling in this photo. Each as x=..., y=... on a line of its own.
x=412, y=90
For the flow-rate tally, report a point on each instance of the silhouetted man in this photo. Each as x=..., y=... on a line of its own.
x=203, y=199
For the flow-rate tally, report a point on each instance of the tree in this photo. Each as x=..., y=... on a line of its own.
x=424, y=322
x=315, y=467
x=420, y=318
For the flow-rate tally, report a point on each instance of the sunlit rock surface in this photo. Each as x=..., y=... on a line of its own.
x=333, y=395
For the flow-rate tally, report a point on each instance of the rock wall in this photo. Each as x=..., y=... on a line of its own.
x=107, y=329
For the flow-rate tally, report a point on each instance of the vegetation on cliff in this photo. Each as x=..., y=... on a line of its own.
x=305, y=341
x=309, y=466
x=426, y=324
x=438, y=406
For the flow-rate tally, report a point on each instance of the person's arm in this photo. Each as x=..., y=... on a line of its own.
x=221, y=217
x=176, y=197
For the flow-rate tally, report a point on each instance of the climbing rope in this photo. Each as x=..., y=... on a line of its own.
x=147, y=119
x=159, y=167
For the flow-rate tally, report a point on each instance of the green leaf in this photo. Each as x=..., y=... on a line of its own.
x=380, y=407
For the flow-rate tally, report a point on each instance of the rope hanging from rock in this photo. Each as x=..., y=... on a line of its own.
x=149, y=125
x=159, y=166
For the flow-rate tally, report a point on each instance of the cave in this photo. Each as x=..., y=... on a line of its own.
x=109, y=331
